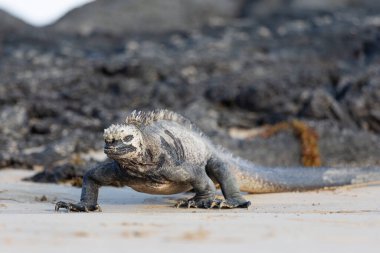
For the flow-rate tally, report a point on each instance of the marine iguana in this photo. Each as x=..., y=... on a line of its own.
x=161, y=152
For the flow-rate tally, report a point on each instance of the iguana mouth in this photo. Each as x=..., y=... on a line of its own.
x=119, y=150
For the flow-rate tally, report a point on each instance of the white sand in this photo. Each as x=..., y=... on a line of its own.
x=342, y=220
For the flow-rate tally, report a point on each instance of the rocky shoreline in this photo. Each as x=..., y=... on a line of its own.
x=233, y=73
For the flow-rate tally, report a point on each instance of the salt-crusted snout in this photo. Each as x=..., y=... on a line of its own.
x=123, y=142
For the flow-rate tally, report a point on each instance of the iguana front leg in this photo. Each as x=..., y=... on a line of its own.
x=104, y=174
x=218, y=169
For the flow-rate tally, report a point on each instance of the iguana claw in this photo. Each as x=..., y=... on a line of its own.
x=80, y=207
x=197, y=203
x=233, y=204
x=216, y=203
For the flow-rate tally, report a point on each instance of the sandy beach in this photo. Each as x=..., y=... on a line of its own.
x=341, y=220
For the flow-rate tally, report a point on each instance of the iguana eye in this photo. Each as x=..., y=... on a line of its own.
x=128, y=138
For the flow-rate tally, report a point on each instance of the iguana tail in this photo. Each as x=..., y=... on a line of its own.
x=259, y=179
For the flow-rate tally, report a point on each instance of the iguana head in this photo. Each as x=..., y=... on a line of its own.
x=123, y=142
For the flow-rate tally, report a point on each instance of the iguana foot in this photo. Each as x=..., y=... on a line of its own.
x=198, y=203
x=233, y=203
x=79, y=207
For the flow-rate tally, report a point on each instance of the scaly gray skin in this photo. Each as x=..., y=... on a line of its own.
x=161, y=152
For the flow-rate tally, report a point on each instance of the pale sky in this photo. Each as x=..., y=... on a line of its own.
x=40, y=12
